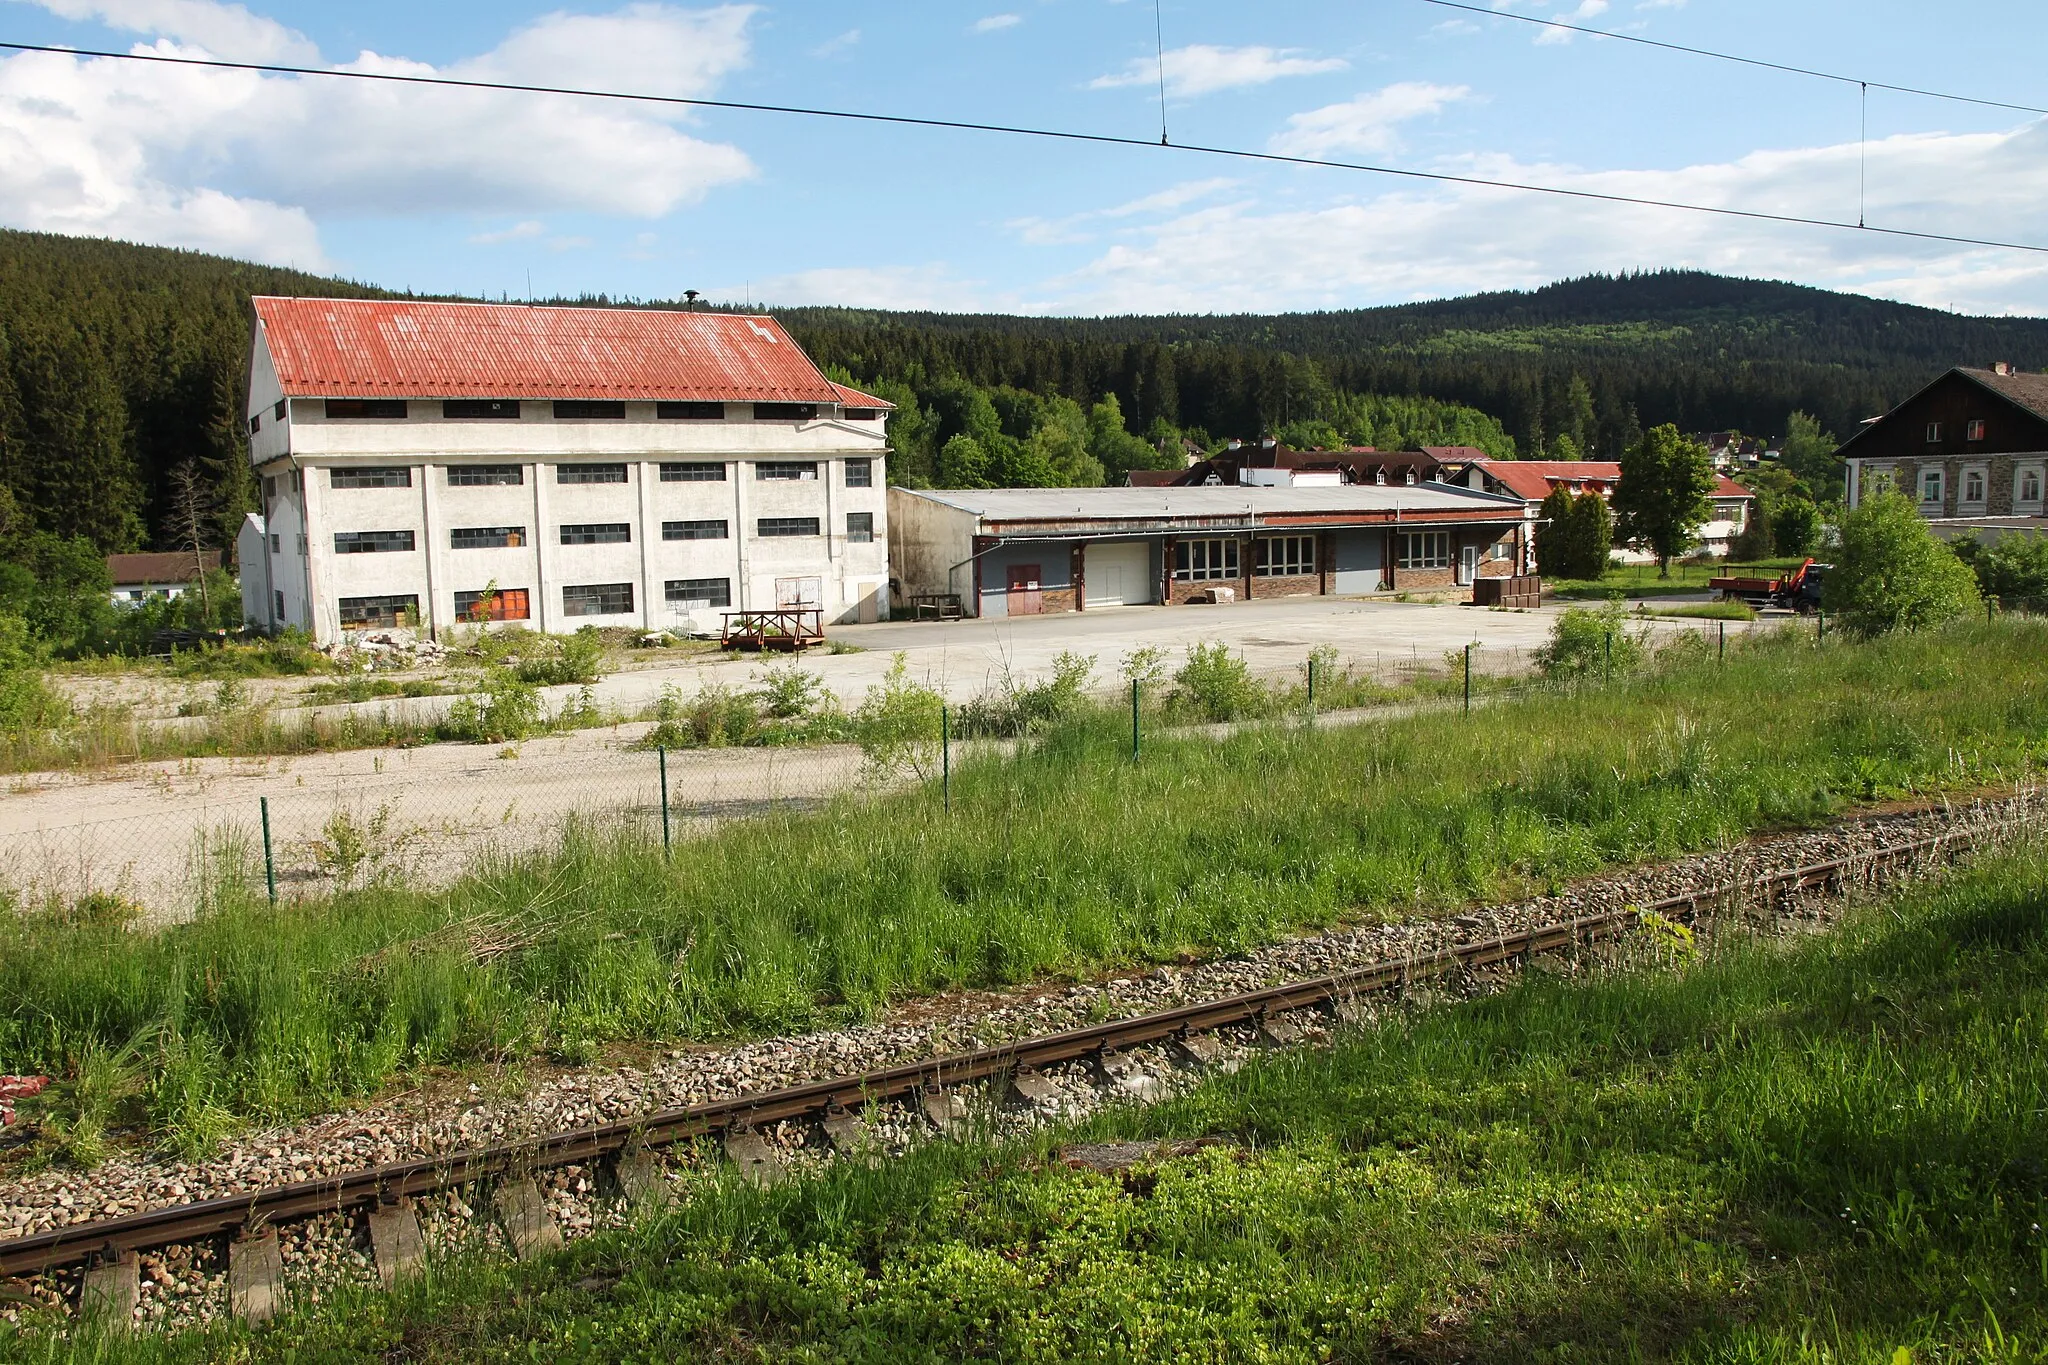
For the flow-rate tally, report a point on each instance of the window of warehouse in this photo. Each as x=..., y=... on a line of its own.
x=371, y=542
x=690, y=412
x=471, y=409
x=860, y=473
x=696, y=472
x=786, y=471
x=365, y=407
x=1286, y=556
x=590, y=409
x=486, y=475
x=687, y=593
x=785, y=412
x=1425, y=550
x=693, y=530
x=503, y=604
x=369, y=612
x=769, y=527
x=486, y=537
x=860, y=527
x=598, y=533
x=590, y=473
x=597, y=599
x=1199, y=560
x=396, y=477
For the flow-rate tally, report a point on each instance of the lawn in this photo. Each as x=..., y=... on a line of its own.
x=1828, y=1150
x=1641, y=580
x=1067, y=858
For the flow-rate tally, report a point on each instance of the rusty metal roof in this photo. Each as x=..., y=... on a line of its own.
x=854, y=398
x=374, y=348
x=1533, y=479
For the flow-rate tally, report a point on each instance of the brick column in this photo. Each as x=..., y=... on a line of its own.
x=1077, y=574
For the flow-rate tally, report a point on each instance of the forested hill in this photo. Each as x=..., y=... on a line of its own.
x=120, y=363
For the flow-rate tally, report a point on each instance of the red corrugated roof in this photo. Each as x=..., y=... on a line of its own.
x=1532, y=479
x=374, y=348
x=854, y=398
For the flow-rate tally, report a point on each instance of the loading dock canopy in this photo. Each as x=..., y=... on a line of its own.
x=1065, y=512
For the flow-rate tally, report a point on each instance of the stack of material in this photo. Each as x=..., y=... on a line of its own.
x=1521, y=591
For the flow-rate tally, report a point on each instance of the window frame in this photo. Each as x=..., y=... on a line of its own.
x=509, y=537
x=693, y=471
x=587, y=466
x=396, y=616
x=1982, y=478
x=1291, y=563
x=785, y=412
x=362, y=542
x=595, y=533
x=589, y=409
x=601, y=610
x=867, y=472
x=860, y=534
x=689, y=410
x=1430, y=556
x=1934, y=433
x=480, y=409
x=503, y=595
x=1221, y=556
x=367, y=476
x=1973, y=430
x=783, y=528
x=487, y=476
x=674, y=592
x=1935, y=478
x=806, y=471
x=677, y=531
x=364, y=409
x=2020, y=477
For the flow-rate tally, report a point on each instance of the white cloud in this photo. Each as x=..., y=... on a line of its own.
x=1204, y=70
x=1055, y=231
x=1588, y=9
x=244, y=163
x=832, y=47
x=1365, y=124
x=1415, y=243
x=518, y=232
x=996, y=22
x=222, y=30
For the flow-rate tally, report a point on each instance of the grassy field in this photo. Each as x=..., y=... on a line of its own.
x=1641, y=580
x=1828, y=1151
x=1067, y=858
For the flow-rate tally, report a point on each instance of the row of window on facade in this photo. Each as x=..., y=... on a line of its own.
x=860, y=530
x=1197, y=561
x=515, y=604
x=1933, y=485
x=563, y=410
x=1973, y=430
x=860, y=473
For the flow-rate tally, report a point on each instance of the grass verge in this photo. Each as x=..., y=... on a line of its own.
x=1827, y=1151
x=1641, y=580
x=1066, y=857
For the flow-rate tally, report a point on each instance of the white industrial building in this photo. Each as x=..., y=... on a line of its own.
x=432, y=463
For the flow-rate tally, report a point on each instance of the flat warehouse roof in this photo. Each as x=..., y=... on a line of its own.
x=1221, y=503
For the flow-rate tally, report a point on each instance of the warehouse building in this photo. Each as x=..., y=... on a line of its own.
x=432, y=463
x=1029, y=551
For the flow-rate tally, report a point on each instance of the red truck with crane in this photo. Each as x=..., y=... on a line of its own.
x=1797, y=591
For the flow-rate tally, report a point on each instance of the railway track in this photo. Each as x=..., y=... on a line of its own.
x=106, y=1247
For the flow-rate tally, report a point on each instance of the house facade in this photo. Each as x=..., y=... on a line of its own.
x=162, y=573
x=1970, y=447
x=432, y=463
x=1033, y=551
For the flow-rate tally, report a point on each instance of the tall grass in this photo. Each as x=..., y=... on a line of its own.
x=1827, y=1151
x=1065, y=857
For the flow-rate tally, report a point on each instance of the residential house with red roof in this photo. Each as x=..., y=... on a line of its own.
x=429, y=463
x=1533, y=480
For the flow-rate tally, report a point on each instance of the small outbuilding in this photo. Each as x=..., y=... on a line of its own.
x=167, y=573
x=1032, y=551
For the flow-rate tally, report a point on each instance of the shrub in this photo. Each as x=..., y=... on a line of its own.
x=2016, y=566
x=720, y=717
x=578, y=658
x=26, y=701
x=1795, y=527
x=1145, y=665
x=1218, y=685
x=789, y=692
x=897, y=726
x=508, y=709
x=1892, y=574
x=1592, y=642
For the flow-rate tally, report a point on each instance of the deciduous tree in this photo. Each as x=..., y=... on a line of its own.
x=1665, y=493
x=1892, y=574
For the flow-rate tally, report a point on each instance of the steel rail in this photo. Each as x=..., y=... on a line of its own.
x=230, y=1214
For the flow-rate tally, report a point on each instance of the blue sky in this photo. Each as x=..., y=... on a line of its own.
x=472, y=192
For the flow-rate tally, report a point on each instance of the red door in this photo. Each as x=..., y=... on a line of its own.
x=1025, y=597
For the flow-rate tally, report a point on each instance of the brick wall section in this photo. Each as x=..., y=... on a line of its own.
x=1301, y=585
x=1999, y=479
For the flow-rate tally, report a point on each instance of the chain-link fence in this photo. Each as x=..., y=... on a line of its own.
x=174, y=842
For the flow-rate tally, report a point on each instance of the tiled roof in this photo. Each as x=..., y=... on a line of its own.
x=162, y=569
x=1532, y=479
x=2030, y=391
x=373, y=348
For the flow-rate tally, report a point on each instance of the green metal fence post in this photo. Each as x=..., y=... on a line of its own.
x=1136, y=733
x=1311, y=687
x=1821, y=617
x=269, y=867
x=946, y=758
x=1989, y=602
x=1468, y=680
x=1721, y=649
x=666, y=847
x=1607, y=657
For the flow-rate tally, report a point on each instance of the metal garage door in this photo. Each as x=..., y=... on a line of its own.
x=1118, y=573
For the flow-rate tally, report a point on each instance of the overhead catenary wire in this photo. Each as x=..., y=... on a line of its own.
x=1786, y=67
x=1019, y=130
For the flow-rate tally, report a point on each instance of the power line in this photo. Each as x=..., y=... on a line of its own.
x=1015, y=130
x=1731, y=57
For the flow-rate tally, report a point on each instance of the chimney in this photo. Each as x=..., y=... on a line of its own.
x=2001, y=367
